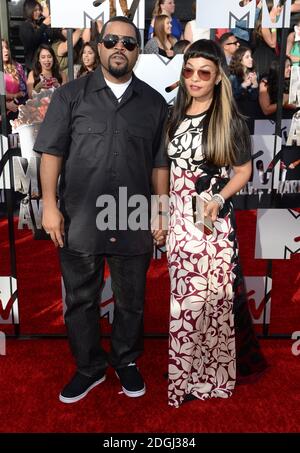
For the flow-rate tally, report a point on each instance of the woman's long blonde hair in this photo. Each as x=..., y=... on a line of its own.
x=10, y=67
x=157, y=11
x=225, y=132
x=159, y=29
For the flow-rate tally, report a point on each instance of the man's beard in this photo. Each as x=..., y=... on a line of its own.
x=118, y=71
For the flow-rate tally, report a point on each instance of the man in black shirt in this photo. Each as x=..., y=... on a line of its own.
x=103, y=134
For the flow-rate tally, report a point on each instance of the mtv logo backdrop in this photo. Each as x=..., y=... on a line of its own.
x=294, y=92
x=265, y=147
x=267, y=127
x=259, y=298
x=26, y=181
x=4, y=176
x=9, y=312
x=160, y=73
x=73, y=14
x=225, y=14
x=2, y=343
x=277, y=233
x=265, y=175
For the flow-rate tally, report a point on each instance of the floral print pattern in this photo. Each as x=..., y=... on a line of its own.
x=202, y=357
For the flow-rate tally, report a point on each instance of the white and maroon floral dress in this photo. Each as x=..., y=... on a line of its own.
x=202, y=356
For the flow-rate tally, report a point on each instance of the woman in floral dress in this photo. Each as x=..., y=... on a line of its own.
x=207, y=138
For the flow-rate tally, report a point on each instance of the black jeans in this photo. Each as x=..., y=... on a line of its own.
x=83, y=278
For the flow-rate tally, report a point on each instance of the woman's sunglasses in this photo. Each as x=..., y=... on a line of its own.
x=202, y=73
x=111, y=41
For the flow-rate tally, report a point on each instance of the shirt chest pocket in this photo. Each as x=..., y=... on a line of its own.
x=89, y=128
x=140, y=142
x=89, y=138
x=136, y=133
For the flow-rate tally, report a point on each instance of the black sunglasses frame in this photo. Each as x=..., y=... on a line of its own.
x=235, y=43
x=129, y=42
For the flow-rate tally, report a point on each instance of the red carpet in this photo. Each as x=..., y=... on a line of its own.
x=39, y=283
x=33, y=373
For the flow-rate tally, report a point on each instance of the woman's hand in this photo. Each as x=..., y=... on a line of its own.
x=274, y=13
x=247, y=82
x=11, y=106
x=160, y=231
x=47, y=20
x=39, y=86
x=253, y=78
x=211, y=209
x=159, y=237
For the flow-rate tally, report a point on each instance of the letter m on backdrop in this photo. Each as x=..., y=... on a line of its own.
x=78, y=14
x=224, y=13
x=9, y=312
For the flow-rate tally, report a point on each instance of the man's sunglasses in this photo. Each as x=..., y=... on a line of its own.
x=111, y=41
x=202, y=73
x=234, y=43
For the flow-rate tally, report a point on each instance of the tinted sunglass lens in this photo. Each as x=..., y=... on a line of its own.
x=204, y=75
x=187, y=73
x=110, y=41
x=129, y=43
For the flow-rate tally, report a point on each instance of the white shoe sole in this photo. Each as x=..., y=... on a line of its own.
x=131, y=394
x=66, y=400
x=134, y=394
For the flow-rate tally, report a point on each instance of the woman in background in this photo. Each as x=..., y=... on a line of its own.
x=293, y=45
x=191, y=32
x=163, y=41
x=166, y=7
x=266, y=41
x=269, y=86
x=15, y=84
x=89, y=59
x=34, y=30
x=244, y=82
x=60, y=46
x=45, y=73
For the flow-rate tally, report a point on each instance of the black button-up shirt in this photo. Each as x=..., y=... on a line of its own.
x=105, y=145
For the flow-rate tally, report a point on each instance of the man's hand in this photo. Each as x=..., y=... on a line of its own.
x=53, y=223
x=159, y=237
x=160, y=228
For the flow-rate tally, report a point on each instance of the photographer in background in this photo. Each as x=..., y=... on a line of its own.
x=35, y=30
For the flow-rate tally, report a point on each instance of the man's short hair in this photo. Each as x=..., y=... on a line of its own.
x=126, y=21
x=225, y=36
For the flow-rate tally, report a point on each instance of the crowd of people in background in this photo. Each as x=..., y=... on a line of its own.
x=251, y=56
